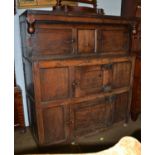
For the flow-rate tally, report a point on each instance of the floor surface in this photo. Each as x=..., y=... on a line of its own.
x=24, y=142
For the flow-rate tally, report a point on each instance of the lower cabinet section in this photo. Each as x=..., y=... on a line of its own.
x=63, y=123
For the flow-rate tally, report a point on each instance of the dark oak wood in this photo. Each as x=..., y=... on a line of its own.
x=78, y=71
x=87, y=117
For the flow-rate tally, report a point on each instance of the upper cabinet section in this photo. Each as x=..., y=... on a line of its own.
x=51, y=33
x=39, y=3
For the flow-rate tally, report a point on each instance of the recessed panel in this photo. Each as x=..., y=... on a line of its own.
x=52, y=41
x=54, y=83
x=86, y=41
x=121, y=105
x=114, y=39
x=54, y=124
x=121, y=74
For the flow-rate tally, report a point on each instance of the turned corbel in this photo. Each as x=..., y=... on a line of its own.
x=31, y=24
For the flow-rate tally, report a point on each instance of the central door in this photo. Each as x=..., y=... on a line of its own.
x=92, y=79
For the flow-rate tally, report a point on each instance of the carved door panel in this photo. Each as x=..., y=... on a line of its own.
x=55, y=124
x=113, y=39
x=121, y=74
x=52, y=41
x=86, y=41
x=92, y=79
x=54, y=83
x=121, y=107
x=87, y=117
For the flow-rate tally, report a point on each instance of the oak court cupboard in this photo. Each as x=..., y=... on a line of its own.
x=78, y=71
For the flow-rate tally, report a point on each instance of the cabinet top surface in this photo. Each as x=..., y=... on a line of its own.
x=42, y=15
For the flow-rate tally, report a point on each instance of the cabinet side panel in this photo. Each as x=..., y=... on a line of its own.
x=28, y=78
x=32, y=117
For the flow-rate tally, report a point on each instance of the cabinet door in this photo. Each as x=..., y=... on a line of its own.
x=87, y=117
x=55, y=124
x=113, y=39
x=54, y=83
x=92, y=79
x=121, y=74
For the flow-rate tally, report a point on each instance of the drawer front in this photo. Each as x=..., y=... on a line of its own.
x=87, y=117
x=112, y=39
x=55, y=41
x=54, y=83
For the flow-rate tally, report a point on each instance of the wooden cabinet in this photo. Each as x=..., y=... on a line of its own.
x=78, y=73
